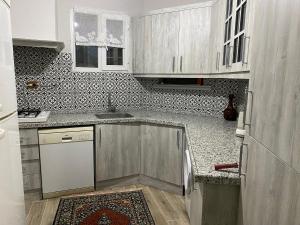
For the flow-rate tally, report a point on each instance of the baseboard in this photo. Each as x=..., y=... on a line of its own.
x=67, y=192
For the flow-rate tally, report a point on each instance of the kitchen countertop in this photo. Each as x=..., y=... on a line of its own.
x=211, y=140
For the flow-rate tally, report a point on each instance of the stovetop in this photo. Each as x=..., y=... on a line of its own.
x=28, y=113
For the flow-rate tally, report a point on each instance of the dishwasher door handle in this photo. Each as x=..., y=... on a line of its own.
x=66, y=139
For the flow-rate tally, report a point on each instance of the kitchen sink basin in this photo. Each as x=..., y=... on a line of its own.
x=113, y=115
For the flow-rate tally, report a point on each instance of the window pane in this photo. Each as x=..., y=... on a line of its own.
x=87, y=56
x=86, y=29
x=230, y=7
x=115, y=32
x=114, y=56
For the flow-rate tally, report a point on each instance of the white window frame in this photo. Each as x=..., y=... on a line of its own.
x=102, y=16
x=125, y=20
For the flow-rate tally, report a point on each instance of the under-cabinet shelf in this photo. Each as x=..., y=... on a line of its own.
x=182, y=87
x=244, y=75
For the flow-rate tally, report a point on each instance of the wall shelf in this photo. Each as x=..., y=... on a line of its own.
x=182, y=87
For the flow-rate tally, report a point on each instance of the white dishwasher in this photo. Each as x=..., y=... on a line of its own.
x=67, y=160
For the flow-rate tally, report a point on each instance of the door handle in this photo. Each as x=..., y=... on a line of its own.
x=2, y=134
x=178, y=141
x=249, y=119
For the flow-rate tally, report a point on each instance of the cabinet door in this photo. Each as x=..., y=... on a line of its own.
x=117, y=151
x=269, y=190
x=165, y=34
x=161, y=153
x=194, y=40
x=142, y=28
x=216, y=36
x=275, y=119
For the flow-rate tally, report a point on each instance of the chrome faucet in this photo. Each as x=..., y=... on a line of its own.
x=110, y=107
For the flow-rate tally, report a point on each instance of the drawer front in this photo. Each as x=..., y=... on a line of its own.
x=32, y=182
x=30, y=152
x=31, y=167
x=28, y=137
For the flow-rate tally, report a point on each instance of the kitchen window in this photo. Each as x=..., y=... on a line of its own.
x=99, y=41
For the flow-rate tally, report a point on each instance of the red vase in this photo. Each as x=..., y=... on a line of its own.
x=230, y=112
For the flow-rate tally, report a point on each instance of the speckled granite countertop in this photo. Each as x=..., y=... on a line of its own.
x=210, y=140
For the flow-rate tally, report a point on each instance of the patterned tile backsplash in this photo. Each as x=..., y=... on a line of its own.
x=66, y=91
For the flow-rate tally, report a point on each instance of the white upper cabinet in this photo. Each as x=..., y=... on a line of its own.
x=216, y=36
x=194, y=37
x=165, y=28
x=33, y=19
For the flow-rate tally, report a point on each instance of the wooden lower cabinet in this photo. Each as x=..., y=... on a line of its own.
x=147, y=151
x=30, y=160
x=270, y=190
x=161, y=153
x=214, y=204
x=117, y=151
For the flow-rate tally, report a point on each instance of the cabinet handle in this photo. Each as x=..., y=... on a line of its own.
x=181, y=58
x=178, y=136
x=218, y=61
x=100, y=135
x=173, y=66
x=248, y=122
x=228, y=56
x=241, y=173
x=245, y=59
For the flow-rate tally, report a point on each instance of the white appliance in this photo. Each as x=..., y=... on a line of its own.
x=67, y=160
x=33, y=116
x=188, y=182
x=12, y=210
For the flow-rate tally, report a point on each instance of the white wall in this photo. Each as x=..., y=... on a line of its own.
x=149, y=5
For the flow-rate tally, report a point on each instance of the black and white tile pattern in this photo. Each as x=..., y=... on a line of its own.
x=65, y=91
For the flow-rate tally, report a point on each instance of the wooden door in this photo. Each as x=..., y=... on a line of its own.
x=117, y=151
x=165, y=35
x=161, y=153
x=194, y=39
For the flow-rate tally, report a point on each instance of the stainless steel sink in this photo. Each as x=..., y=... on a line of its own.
x=113, y=115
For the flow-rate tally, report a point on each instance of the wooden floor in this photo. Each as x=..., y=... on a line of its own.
x=166, y=208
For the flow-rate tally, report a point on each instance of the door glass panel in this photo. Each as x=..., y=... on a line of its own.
x=237, y=21
x=240, y=48
x=235, y=49
x=229, y=29
x=243, y=17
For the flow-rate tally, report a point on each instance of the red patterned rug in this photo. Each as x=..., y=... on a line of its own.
x=126, y=208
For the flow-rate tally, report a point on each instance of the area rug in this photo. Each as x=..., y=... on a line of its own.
x=125, y=208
